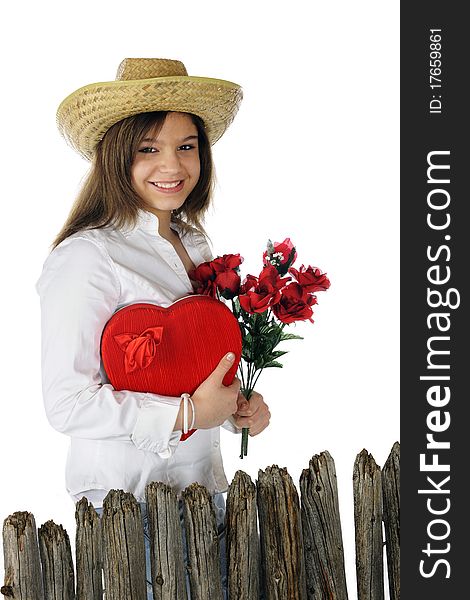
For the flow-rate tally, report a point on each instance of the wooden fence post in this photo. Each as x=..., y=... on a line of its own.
x=203, y=544
x=323, y=541
x=281, y=536
x=391, y=517
x=123, y=547
x=23, y=578
x=88, y=552
x=368, y=527
x=242, y=539
x=166, y=543
x=57, y=565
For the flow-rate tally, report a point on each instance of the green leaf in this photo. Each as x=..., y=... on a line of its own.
x=273, y=363
x=277, y=354
x=260, y=363
x=275, y=326
x=290, y=336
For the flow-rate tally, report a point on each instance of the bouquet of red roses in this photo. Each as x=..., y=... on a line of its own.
x=263, y=305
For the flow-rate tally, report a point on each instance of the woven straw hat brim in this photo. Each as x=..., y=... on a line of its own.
x=85, y=115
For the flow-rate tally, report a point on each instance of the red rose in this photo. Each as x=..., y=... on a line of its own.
x=226, y=262
x=295, y=304
x=311, y=278
x=228, y=284
x=204, y=276
x=261, y=293
x=281, y=255
x=227, y=277
x=270, y=276
x=248, y=284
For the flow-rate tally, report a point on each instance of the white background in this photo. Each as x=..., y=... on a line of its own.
x=312, y=154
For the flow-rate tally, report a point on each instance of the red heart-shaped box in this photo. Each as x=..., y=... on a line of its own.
x=169, y=351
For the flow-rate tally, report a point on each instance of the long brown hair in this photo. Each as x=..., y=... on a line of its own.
x=107, y=196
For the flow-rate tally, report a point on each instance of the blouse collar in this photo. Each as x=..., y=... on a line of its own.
x=148, y=222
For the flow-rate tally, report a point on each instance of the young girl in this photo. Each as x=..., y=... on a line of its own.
x=133, y=235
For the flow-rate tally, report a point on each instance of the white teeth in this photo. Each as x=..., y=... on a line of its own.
x=166, y=185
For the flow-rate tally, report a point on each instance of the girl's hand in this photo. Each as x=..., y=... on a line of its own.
x=215, y=402
x=253, y=414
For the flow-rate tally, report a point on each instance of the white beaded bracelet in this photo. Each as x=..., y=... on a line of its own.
x=194, y=413
x=186, y=397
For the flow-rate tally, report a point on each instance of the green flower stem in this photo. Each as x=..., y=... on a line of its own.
x=247, y=391
x=244, y=446
x=245, y=430
x=257, y=325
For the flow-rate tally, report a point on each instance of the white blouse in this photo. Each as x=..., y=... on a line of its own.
x=119, y=439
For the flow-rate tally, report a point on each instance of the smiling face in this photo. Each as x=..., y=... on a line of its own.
x=166, y=166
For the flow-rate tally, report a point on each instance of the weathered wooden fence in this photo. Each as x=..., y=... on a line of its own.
x=297, y=555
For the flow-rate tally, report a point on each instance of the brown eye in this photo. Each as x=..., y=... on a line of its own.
x=148, y=150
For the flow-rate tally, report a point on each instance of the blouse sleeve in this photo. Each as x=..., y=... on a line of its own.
x=79, y=291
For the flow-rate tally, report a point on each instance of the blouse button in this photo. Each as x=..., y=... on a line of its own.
x=216, y=444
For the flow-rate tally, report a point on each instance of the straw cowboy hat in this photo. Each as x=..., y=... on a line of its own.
x=145, y=85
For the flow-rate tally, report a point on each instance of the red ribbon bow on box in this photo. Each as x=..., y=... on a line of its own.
x=140, y=349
